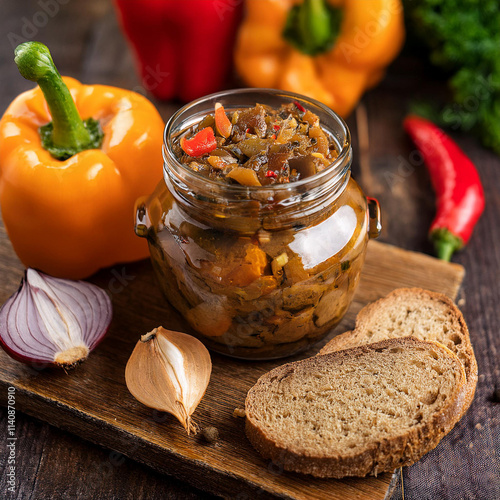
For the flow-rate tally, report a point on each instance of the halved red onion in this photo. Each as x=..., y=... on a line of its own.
x=54, y=321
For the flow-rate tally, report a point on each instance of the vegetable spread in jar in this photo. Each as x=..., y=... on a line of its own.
x=259, y=233
x=259, y=146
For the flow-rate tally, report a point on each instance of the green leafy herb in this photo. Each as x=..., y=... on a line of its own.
x=464, y=37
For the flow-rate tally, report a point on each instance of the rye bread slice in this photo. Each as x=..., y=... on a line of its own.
x=359, y=411
x=420, y=313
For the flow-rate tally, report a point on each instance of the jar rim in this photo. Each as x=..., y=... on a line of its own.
x=169, y=156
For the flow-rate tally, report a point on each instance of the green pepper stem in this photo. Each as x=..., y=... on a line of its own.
x=312, y=26
x=445, y=243
x=68, y=131
x=314, y=22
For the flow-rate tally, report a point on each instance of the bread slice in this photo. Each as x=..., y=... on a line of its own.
x=420, y=313
x=359, y=411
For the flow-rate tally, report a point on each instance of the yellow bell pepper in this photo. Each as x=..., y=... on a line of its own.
x=330, y=50
x=68, y=186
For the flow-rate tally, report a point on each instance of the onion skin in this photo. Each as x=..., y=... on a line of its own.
x=53, y=322
x=169, y=371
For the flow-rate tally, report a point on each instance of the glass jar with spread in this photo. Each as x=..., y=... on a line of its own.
x=258, y=233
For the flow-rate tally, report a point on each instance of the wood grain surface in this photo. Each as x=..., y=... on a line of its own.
x=87, y=44
x=93, y=401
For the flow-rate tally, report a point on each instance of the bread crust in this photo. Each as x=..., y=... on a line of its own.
x=350, y=338
x=382, y=455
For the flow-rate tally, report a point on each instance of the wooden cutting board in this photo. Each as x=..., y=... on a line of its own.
x=93, y=402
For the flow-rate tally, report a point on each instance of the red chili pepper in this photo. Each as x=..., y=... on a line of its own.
x=460, y=196
x=271, y=173
x=184, y=48
x=276, y=127
x=299, y=106
x=201, y=143
x=273, y=136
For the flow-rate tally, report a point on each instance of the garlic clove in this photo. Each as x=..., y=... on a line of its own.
x=169, y=371
x=54, y=321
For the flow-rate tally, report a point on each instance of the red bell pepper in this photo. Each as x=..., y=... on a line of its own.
x=203, y=142
x=183, y=47
x=460, y=195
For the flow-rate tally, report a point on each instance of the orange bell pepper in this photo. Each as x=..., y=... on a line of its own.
x=251, y=268
x=330, y=50
x=67, y=189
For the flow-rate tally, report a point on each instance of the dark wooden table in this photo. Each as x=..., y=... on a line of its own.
x=86, y=43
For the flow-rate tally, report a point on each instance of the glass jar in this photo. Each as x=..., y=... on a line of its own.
x=258, y=272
